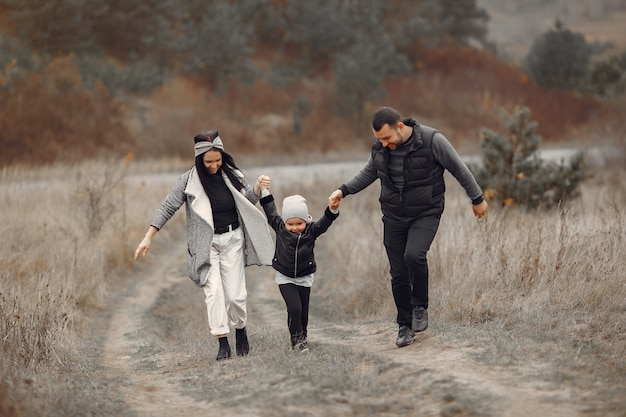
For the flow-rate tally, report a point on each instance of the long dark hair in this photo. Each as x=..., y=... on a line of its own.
x=228, y=163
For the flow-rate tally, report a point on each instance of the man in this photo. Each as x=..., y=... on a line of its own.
x=410, y=161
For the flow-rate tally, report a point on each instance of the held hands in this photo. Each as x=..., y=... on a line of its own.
x=333, y=204
x=334, y=199
x=262, y=183
x=480, y=210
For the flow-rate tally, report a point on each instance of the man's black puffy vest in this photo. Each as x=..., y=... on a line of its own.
x=424, y=186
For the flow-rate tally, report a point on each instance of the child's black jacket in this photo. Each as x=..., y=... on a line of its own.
x=294, y=254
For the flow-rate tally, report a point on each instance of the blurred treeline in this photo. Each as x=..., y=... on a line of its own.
x=83, y=78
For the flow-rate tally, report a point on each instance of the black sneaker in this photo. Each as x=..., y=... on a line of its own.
x=241, y=342
x=420, y=319
x=299, y=343
x=302, y=346
x=406, y=336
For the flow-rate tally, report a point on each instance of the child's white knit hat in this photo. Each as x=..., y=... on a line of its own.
x=295, y=206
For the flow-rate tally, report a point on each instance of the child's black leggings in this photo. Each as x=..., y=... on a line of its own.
x=297, y=300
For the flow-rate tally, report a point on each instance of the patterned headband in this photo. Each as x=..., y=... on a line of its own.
x=203, y=146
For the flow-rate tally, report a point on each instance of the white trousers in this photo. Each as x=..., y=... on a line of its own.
x=225, y=289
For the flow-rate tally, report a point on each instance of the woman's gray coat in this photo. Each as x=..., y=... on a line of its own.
x=258, y=243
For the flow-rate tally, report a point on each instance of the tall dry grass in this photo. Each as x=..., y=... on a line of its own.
x=510, y=265
x=551, y=276
x=67, y=233
x=554, y=275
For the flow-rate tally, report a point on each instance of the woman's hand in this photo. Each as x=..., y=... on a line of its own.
x=144, y=245
x=263, y=182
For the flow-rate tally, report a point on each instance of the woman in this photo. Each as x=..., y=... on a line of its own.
x=225, y=232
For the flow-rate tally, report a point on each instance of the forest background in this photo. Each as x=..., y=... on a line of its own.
x=279, y=77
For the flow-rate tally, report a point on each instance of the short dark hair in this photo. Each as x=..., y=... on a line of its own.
x=385, y=116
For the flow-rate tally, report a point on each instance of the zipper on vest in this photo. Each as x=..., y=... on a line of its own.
x=404, y=173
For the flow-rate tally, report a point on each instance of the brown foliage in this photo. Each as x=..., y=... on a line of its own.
x=251, y=120
x=49, y=116
x=465, y=87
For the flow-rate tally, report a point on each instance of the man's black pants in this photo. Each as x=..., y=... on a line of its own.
x=407, y=244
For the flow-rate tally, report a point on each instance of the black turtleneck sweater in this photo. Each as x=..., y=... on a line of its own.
x=222, y=201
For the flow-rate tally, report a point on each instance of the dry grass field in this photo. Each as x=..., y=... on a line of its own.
x=528, y=310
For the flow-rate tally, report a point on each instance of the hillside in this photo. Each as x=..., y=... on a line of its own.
x=288, y=92
x=513, y=25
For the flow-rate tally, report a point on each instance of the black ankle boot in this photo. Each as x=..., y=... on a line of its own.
x=224, y=352
x=241, y=342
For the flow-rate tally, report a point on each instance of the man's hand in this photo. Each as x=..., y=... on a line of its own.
x=333, y=204
x=334, y=199
x=480, y=210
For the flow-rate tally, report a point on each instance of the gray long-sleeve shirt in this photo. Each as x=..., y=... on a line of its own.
x=444, y=154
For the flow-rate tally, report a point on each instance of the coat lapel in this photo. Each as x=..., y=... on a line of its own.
x=201, y=205
x=258, y=243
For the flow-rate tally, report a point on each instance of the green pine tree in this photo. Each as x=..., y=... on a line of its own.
x=513, y=173
x=559, y=58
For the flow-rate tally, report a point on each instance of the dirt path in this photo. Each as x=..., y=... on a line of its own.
x=147, y=392
x=511, y=389
x=157, y=390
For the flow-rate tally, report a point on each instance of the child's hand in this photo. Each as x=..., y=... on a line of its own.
x=333, y=203
x=265, y=182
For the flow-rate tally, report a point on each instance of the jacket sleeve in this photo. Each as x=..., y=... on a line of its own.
x=447, y=157
x=269, y=206
x=174, y=200
x=248, y=190
x=324, y=222
x=361, y=180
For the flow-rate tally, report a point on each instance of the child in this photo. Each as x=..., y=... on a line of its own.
x=294, y=260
